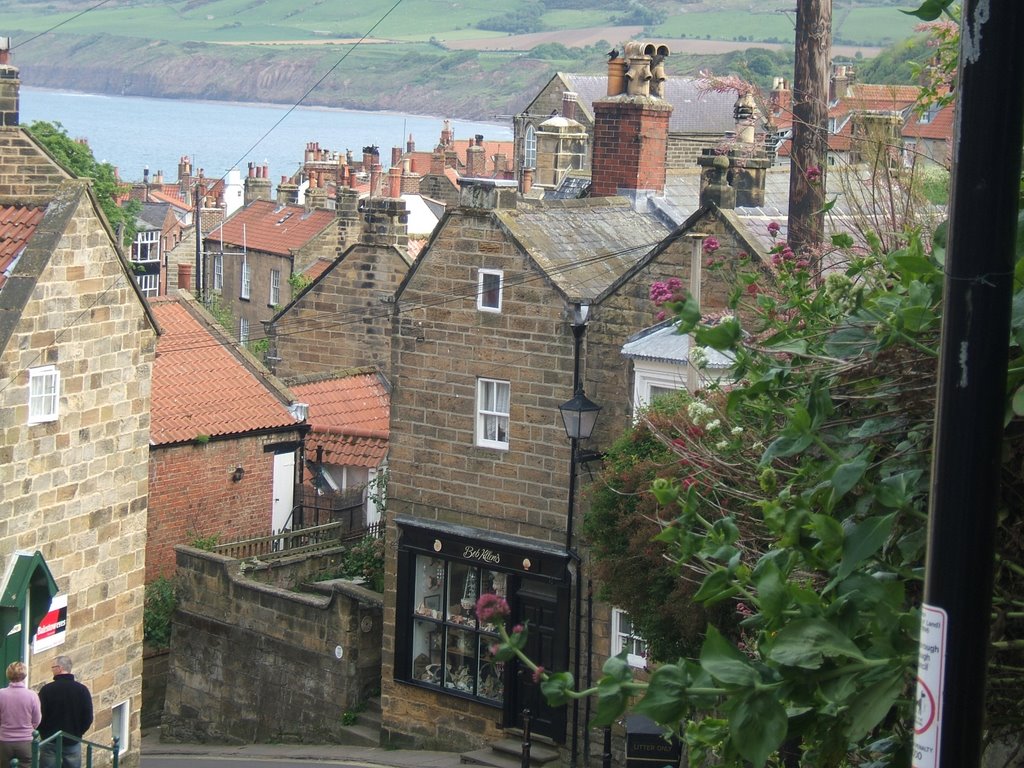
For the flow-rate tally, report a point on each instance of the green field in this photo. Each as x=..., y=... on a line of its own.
x=234, y=21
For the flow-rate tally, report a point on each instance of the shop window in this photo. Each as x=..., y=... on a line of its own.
x=625, y=639
x=488, y=297
x=450, y=649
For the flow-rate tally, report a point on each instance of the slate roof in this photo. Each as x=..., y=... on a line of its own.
x=693, y=111
x=154, y=214
x=201, y=388
x=583, y=246
x=266, y=226
x=662, y=344
x=349, y=416
x=17, y=225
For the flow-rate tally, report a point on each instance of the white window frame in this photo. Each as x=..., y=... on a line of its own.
x=246, y=285
x=218, y=272
x=43, y=394
x=243, y=329
x=147, y=242
x=275, y=287
x=627, y=639
x=529, y=147
x=149, y=285
x=489, y=413
x=483, y=303
x=120, y=725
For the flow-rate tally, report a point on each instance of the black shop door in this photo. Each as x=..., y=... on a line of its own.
x=545, y=608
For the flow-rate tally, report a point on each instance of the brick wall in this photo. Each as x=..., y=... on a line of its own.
x=252, y=662
x=75, y=488
x=192, y=494
x=620, y=160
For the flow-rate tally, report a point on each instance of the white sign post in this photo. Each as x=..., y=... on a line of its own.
x=931, y=662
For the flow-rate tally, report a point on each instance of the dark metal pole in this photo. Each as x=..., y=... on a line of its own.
x=590, y=668
x=972, y=381
x=524, y=761
x=578, y=329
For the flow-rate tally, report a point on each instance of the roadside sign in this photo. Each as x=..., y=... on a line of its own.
x=931, y=662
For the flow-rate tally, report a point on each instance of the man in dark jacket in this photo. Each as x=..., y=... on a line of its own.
x=67, y=707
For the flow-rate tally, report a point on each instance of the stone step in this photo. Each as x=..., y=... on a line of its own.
x=359, y=735
x=508, y=753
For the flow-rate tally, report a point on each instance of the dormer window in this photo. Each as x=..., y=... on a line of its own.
x=488, y=296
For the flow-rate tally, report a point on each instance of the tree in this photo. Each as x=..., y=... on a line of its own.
x=76, y=157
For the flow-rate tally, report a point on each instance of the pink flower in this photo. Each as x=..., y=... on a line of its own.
x=517, y=629
x=711, y=244
x=787, y=253
x=494, y=649
x=773, y=228
x=660, y=293
x=813, y=174
x=674, y=284
x=709, y=263
x=538, y=674
x=660, y=316
x=490, y=607
x=753, y=290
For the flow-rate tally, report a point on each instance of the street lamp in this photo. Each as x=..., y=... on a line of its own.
x=579, y=415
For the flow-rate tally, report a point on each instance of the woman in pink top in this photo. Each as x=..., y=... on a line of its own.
x=19, y=716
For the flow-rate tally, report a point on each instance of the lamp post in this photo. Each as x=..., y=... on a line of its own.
x=579, y=415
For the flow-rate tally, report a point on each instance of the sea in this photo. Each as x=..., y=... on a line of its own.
x=133, y=133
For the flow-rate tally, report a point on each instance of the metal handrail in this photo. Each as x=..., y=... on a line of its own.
x=58, y=739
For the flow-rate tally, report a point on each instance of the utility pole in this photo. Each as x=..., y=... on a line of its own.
x=810, y=124
x=973, y=360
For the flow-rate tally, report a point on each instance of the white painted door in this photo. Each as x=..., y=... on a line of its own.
x=284, y=490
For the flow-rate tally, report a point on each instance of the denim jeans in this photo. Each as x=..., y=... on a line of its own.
x=71, y=755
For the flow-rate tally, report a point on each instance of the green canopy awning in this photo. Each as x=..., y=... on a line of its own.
x=29, y=579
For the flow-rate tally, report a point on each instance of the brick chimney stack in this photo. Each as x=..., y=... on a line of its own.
x=476, y=160
x=10, y=87
x=257, y=183
x=410, y=145
x=395, y=181
x=287, y=192
x=569, y=100
x=631, y=132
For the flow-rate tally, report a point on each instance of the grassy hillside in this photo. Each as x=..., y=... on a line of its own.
x=279, y=50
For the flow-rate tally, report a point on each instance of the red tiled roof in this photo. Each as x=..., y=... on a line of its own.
x=317, y=268
x=349, y=417
x=266, y=226
x=416, y=246
x=939, y=127
x=17, y=225
x=200, y=388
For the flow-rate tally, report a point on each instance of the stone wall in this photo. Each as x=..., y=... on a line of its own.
x=75, y=488
x=344, y=320
x=254, y=663
x=25, y=169
x=192, y=494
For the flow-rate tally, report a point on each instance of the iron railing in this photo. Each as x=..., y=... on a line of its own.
x=57, y=739
x=297, y=542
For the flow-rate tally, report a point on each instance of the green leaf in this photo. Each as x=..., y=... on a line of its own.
x=725, y=663
x=717, y=586
x=772, y=595
x=805, y=643
x=721, y=337
x=848, y=475
x=929, y=10
x=871, y=706
x=665, y=701
x=829, y=532
x=758, y=726
x=849, y=341
x=896, y=491
x=1018, y=401
x=556, y=688
x=864, y=541
x=842, y=240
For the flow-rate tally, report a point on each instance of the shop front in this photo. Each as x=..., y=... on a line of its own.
x=443, y=569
